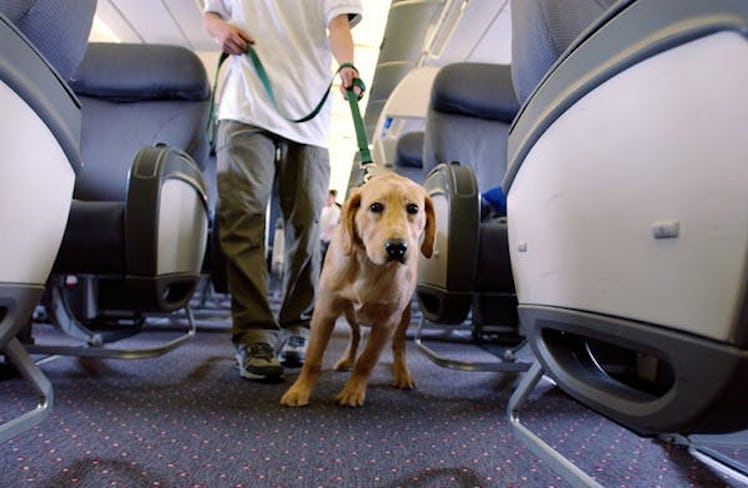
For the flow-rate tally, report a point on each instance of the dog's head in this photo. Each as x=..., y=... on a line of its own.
x=389, y=216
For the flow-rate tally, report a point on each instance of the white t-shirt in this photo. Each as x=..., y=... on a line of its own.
x=328, y=220
x=292, y=42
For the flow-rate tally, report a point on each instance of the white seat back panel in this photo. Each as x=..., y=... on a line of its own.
x=664, y=144
x=183, y=229
x=36, y=188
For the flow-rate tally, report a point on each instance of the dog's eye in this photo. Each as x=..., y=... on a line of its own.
x=412, y=208
x=376, y=207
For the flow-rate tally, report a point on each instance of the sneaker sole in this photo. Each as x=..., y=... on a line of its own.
x=249, y=375
x=292, y=359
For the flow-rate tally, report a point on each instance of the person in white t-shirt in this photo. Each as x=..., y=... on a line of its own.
x=328, y=221
x=296, y=41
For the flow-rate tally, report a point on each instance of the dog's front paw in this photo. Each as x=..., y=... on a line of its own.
x=404, y=380
x=351, y=397
x=295, y=397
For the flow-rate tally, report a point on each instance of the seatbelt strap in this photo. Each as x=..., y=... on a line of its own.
x=353, y=99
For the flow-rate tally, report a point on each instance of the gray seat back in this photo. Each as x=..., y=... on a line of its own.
x=136, y=95
x=41, y=43
x=62, y=43
x=579, y=345
x=541, y=31
x=472, y=106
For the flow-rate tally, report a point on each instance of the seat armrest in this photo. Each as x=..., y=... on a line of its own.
x=445, y=281
x=166, y=220
x=153, y=167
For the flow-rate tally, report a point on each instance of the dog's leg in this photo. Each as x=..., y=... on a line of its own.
x=298, y=394
x=403, y=378
x=349, y=357
x=354, y=391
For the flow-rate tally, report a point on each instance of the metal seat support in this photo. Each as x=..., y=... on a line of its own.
x=561, y=465
x=19, y=358
x=507, y=364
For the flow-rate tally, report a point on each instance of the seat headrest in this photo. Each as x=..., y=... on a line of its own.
x=409, y=151
x=138, y=72
x=57, y=28
x=541, y=31
x=475, y=90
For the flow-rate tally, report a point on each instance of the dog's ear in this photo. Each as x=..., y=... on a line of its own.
x=429, y=233
x=347, y=219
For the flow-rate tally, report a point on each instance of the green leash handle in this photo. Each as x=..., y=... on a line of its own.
x=358, y=123
x=262, y=75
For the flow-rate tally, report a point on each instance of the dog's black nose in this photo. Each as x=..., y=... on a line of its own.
x=396, y=249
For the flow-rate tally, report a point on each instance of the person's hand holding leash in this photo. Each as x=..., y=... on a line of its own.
x=347, y=75
x=232, y=39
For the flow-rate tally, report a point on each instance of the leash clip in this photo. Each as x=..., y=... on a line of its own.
x=371, y=170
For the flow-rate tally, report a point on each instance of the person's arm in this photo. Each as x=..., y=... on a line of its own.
x=232, y=39
x=341, y=43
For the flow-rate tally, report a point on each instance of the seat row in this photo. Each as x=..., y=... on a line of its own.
x=591, y=198
x=105, y=211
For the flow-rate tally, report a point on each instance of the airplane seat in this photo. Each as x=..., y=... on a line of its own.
x=38, y=164
x=409, y=156
x=630, y=265
x=464, y=154
x=137, y=232
x=472, y=105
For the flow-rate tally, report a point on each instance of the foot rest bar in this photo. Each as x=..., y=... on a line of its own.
x=114, y=353
x=500, y=366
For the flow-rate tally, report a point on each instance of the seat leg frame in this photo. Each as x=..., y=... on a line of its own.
x=507, y=365
x=560, y=464
x=15, y=352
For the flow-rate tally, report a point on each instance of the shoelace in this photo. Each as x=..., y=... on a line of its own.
x=261, y=351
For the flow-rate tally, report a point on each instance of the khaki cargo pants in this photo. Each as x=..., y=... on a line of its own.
x=249, y=160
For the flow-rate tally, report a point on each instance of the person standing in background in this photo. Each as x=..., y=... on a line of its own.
x=328, y=220
x=296, y=41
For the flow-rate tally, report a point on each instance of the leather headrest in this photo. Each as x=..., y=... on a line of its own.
x=135, y=72
x=475, y=90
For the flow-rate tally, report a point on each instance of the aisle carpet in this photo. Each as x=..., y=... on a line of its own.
x=187, y=419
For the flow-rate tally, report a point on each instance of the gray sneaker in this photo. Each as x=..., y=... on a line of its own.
x=258, y=362
x=293, y=352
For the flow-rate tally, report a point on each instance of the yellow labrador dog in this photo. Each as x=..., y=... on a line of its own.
x=369, y=275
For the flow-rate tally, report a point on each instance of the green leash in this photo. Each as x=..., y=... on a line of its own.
x=358, y=122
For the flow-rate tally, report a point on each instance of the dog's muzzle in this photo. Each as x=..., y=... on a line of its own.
x=396, y=249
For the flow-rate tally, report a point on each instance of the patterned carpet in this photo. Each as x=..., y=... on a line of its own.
x=186, y=419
